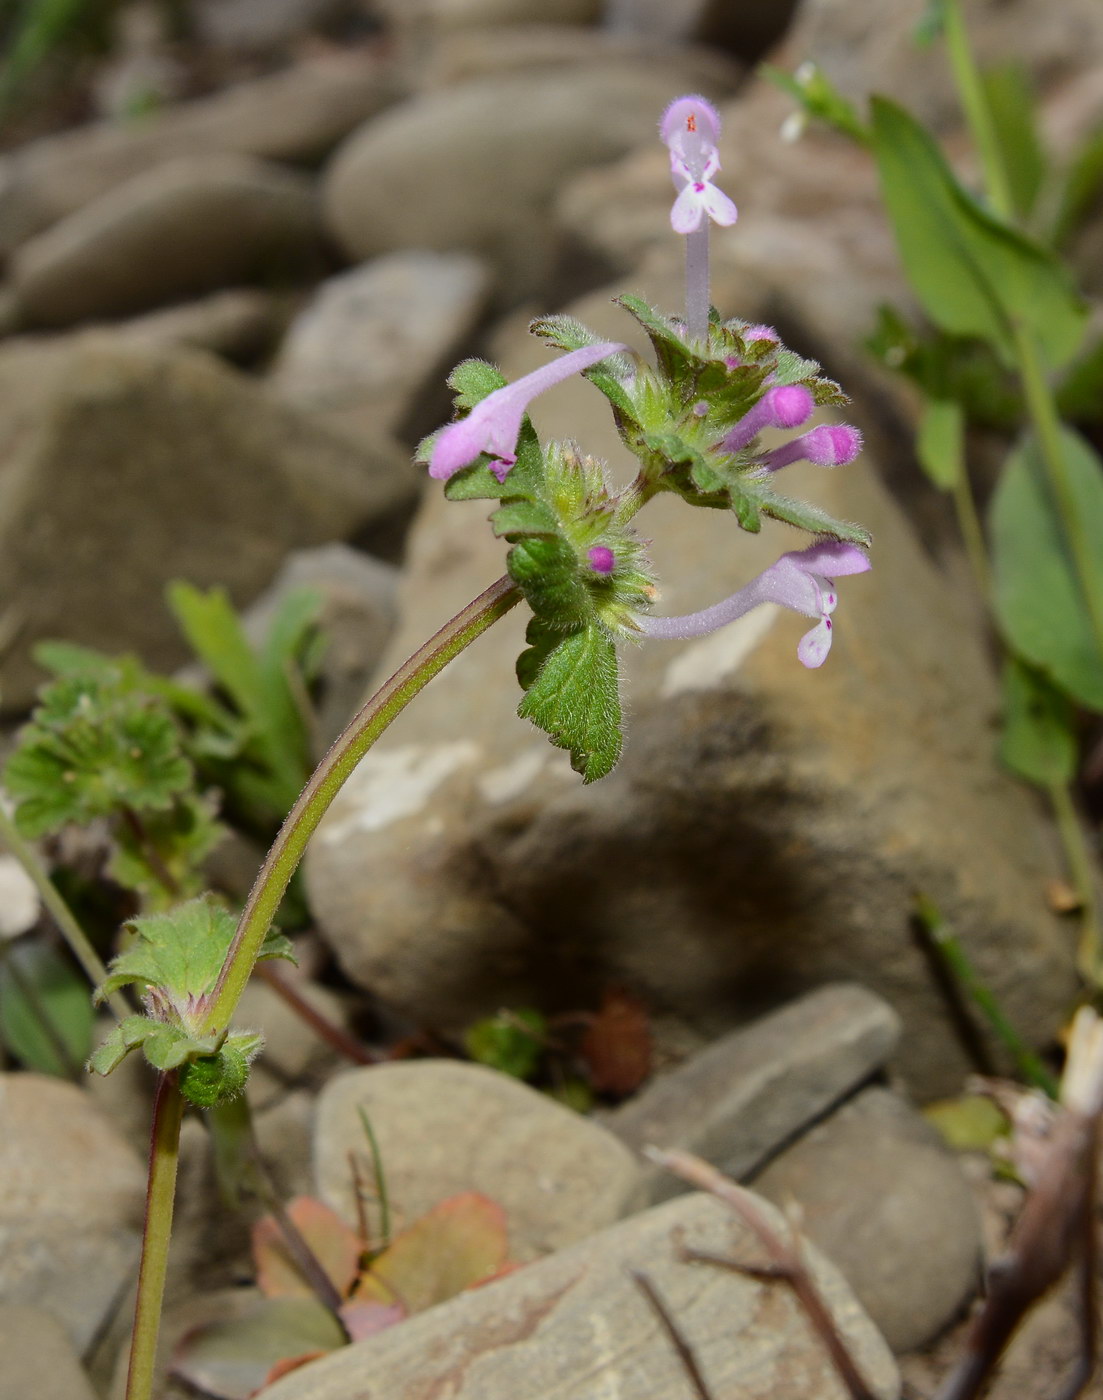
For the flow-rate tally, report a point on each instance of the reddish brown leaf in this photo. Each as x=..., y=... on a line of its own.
x=337, y=1248
x=289, y=1363
x=457, y=1244
x=364, y=1319
x=617, y=1044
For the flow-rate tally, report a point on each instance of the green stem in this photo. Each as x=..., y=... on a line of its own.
x=957, y=961
x=328, y=778
x=1047, y=428
x=1078, y=859
x=972, y=535
x=977, y=111
x=164, y=1153
x=78, y=941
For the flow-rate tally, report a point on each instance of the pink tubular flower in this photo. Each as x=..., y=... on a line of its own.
x=832, y=445
x=492, y=426
x=800, y=580
x=690, y=128
x=787, y=406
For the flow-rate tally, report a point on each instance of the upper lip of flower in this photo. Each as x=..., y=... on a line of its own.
x=493, y=424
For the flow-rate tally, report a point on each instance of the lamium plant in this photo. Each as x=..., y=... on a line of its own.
x=692, y=417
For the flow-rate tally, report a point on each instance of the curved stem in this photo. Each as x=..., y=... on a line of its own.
x=164, y=1153
x=977, y=111
x=78, y=941
x=972, y=535
x=327, y=780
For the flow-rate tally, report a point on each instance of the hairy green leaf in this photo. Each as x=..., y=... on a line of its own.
x=574, y=699
x=93, y=750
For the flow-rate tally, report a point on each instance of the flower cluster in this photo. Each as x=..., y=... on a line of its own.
x=693, y=417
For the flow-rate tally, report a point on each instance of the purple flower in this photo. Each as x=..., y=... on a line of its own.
x=831, y=445
x=493, y=425
x=602, y=559
x=800, y=580
x=690, y=128
x=787, y=406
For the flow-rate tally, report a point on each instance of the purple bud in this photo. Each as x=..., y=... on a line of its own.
x=761, y=333
x=602, y=560
x=832, y=445
x=701, y=409
x=787, y=406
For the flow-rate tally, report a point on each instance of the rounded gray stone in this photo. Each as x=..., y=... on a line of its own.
x=192, y=225
x=885, y=1200
x=72, y=1196
x=444, y=1127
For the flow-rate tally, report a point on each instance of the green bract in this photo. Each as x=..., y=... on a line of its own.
x=175, y=959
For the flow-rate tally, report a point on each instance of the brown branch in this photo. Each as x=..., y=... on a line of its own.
x=673, y=1331
x=325, y=1029
x=787, y=1263
x=1057, y=1225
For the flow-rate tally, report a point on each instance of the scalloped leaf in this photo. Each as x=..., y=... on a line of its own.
x=91, y=750
x=181, y=953
x=574, y=698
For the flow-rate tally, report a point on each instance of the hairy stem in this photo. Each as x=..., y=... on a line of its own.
x=164, y=1153
x=977, y=111
x=78, y=941
x=333, y=1035
x=327, y=780
x=697, y=283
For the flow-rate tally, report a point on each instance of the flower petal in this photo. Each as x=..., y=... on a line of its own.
x=688, y=210
x=813, y=647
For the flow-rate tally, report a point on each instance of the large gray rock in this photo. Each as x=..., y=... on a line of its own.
x=371, y=338
x=767, y=828
x=193, y=225
x=463, y=54
x=123, y=469
x=883, y=1198
x=37, y=1358
x=298, y=114
x=745, y=30
x=738, y=1101
x=262, y=24
x=436, y=16
x=444, y=1127
x=72, y=1196
x=576, y=1324
x=476, y=166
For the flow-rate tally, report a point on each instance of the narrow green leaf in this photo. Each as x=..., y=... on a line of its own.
x=574, y=699
x=811, y=518
x=973, y=274
x=940, y=443
x=1082, y=184
x=1038, y=594
x=46, y=1010
x=1080, y=394
x=1039, y=727
x=1010, y=95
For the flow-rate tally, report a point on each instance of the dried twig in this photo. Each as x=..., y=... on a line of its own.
x=333, y=1035
x=673, y=1331
x=1057, y=1227
x=786, y=1265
